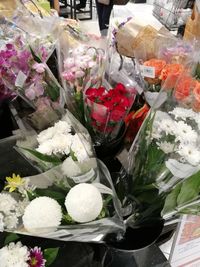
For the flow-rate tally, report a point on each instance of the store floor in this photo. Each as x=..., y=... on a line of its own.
x=140, y=11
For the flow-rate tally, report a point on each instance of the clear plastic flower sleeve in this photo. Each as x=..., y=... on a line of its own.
x=164, y=160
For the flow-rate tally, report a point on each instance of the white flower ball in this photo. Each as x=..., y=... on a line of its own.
x=84, y=203
x=42, y=215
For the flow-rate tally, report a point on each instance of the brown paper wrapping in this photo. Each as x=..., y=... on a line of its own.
x=135, y=39
x=192, y=29
x=7, y=7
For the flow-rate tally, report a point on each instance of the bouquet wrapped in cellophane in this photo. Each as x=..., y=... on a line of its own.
x=25, y=75
x=107, y=106
x=157, y=52
x=73, y=197
x=164, y=160
x=43, y=32
x=81, y=61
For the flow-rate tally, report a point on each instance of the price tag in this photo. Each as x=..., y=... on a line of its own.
x=20, y=80
x=147, y=71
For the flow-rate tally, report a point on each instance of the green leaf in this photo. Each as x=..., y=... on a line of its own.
x=190, y=189
x=68, y=219
x=36, y=58
x=11, y=238
x=50, y=255
x=193, y=209
x=52, y=159
x=198, y=71
x=171, y=200
x=53, y=91
x=72, y=154
x=50, y=193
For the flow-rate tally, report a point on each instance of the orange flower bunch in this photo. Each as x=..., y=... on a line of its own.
x=187, y=91
x=167, y=73
x=158, y=64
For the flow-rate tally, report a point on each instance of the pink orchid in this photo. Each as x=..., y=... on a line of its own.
x=30, y=93
x=39, y=67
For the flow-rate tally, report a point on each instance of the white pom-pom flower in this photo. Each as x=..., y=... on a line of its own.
x=42, y=215
x=84, y=203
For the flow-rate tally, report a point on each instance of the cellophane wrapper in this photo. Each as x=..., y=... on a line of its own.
x=25, y=75
x=107, y=106
x=164, y=160
x=59, y=177
x=43, y=32
x=80, y=61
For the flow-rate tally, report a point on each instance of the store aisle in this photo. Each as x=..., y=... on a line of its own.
x=141, y=11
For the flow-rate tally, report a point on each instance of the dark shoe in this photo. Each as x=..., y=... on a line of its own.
x=79, y=6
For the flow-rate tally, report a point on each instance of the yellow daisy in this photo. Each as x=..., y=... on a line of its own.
x=14, y=182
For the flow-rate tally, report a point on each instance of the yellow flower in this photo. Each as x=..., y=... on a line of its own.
x=14, y=182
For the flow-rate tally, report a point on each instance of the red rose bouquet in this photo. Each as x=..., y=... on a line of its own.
x=106, y=110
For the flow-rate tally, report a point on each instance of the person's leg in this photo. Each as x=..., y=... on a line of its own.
x=99, y=13
x=107, y=9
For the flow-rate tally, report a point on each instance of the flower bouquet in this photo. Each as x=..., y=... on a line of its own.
x=82, y=65
x=32, y=81
x=106, y=109
x=24, y=256
x=74, y=194
x=164, y=159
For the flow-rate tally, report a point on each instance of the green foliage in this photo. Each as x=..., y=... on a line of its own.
x=36, y=58
x=52, y=90
x=50, y=255
x=185, y=192
x=51, y=159
x=11, y=238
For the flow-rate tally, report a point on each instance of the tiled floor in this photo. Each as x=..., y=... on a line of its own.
x=141, y=11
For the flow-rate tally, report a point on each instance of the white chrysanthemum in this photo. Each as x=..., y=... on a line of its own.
x=167, y=126
x=79, y=149
x=61, y=143
x=184, y=133
x=190, y=154
x=183, y=113
x=166, y=147
x=46, y=147
x=45, y=135
x=21, y=207
x=1, y=222
x=62, y=127
x=7, y=203
x=14, y=255
x=70, y=167
x=42, y=215
x=84, y=203
x=11, y=221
